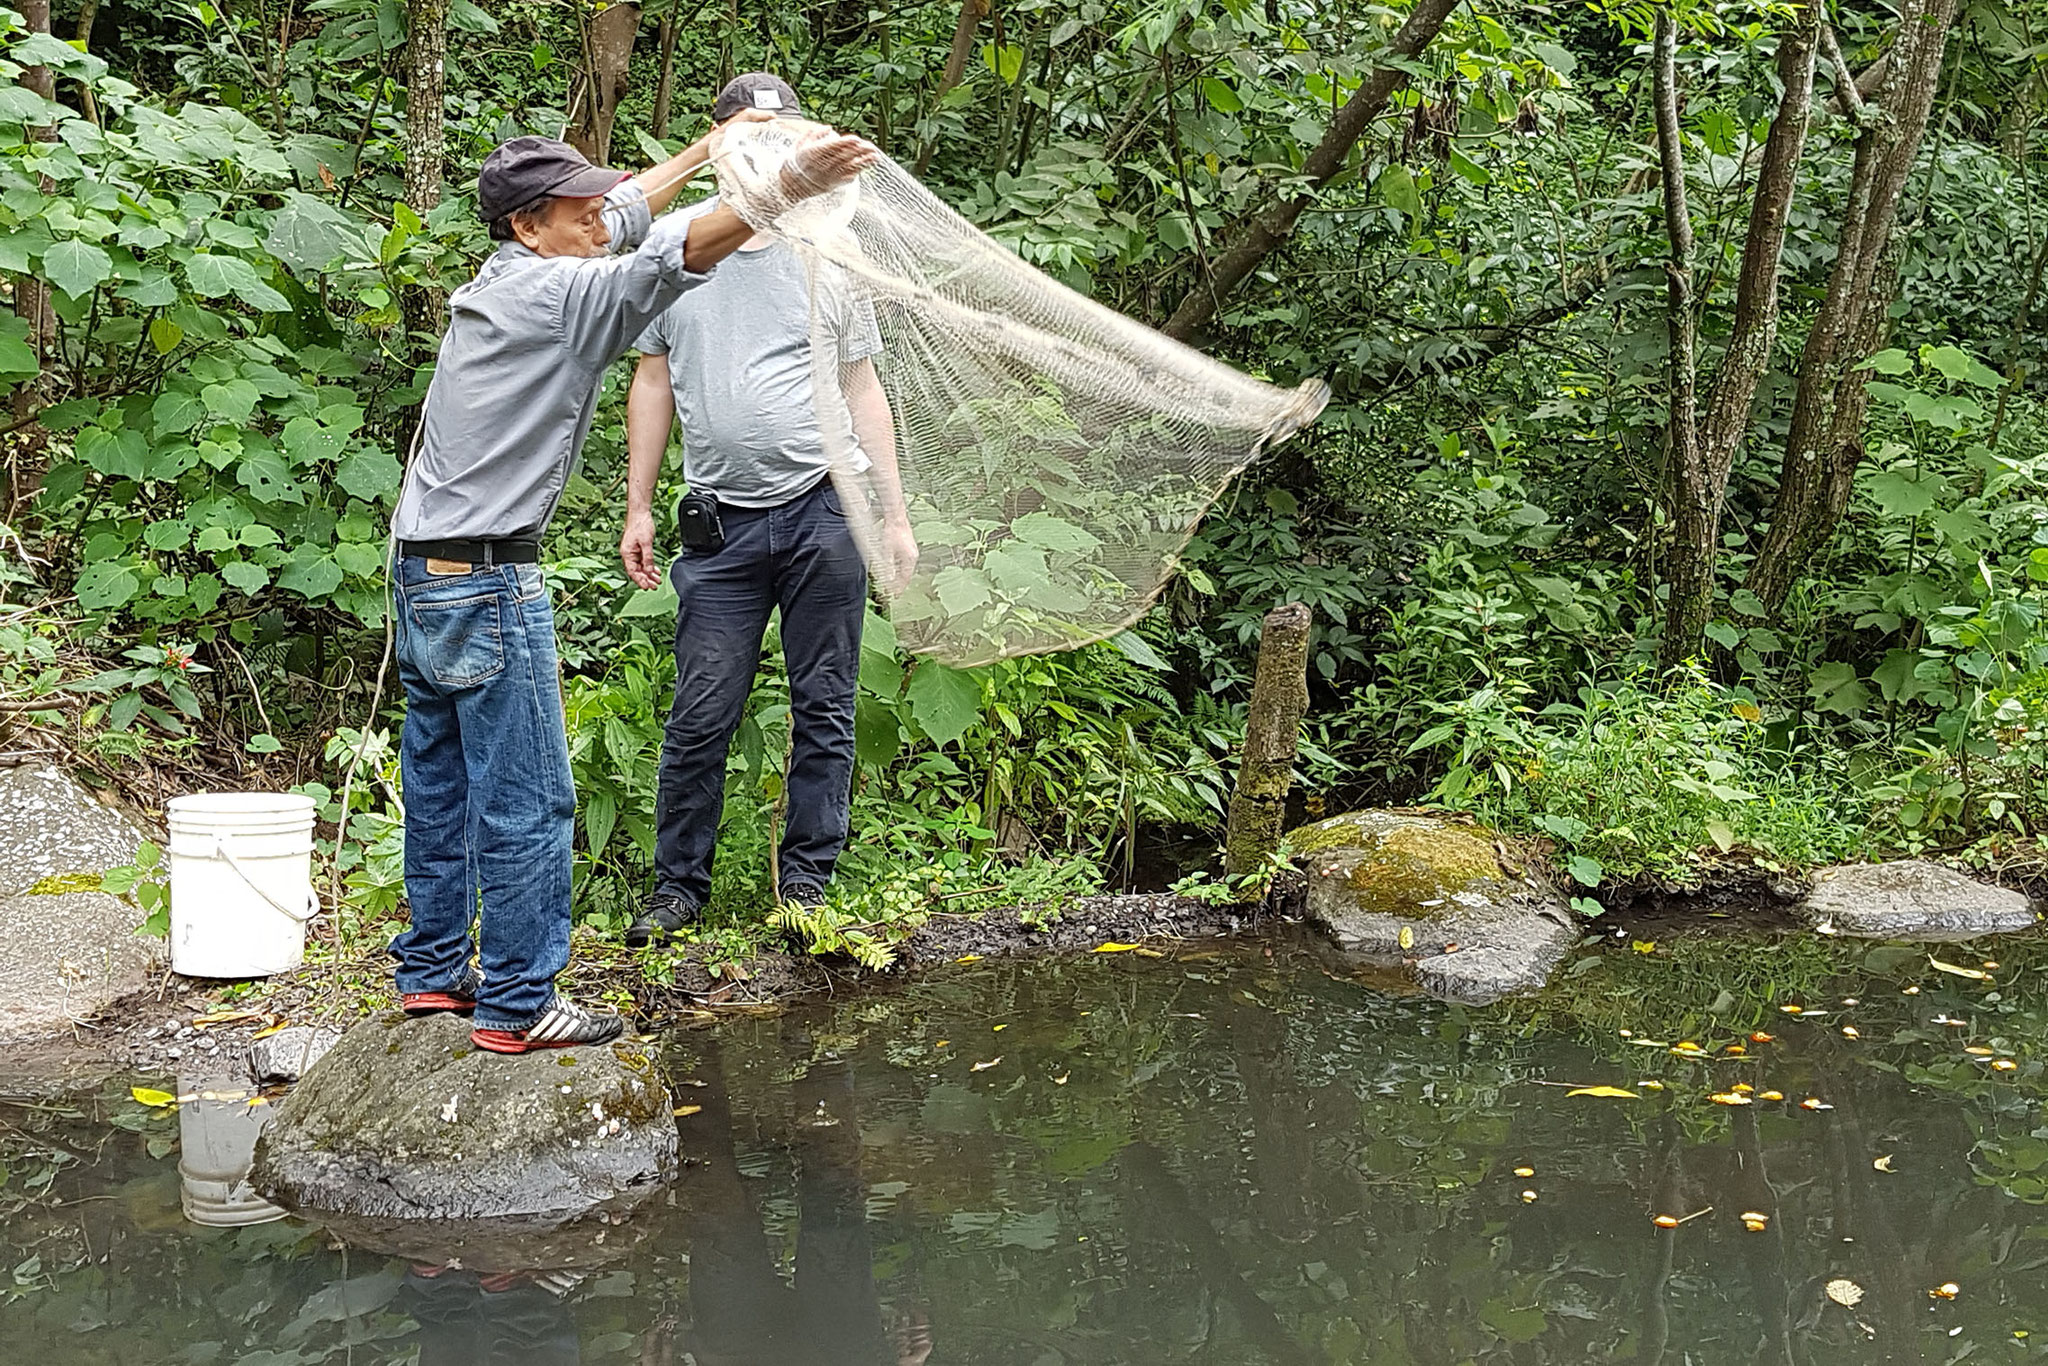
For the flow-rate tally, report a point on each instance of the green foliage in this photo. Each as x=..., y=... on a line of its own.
x=148, y=880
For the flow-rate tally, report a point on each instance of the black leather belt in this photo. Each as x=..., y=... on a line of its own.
x=474, y=552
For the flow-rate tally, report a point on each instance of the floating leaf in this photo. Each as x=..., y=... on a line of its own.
x=1974, y=974
x=1666, y=1221
x=686, y=1109
x=1845, y=1293
x=1814, y=1103
x=1406, y=938
x=1061, y=1079
x=1613, y=1091
x=1947, y=1290
x=984, y=1066
x=1729, y=1098
x=1882, y=1164
x=1114, y=947
x=155, y=1100
x=1525, y=1171
x=1528, y=1197
x=968, y=958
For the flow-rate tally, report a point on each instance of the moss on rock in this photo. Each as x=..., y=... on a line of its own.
x=61, y=884
x=1416, y=870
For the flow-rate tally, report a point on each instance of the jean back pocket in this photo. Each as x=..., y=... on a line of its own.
x=458, y=643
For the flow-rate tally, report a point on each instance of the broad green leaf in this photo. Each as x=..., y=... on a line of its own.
x=1959, y=365
x=214, y=277
x=76, y=267
x=245, y=575
x=1891, y=362
x=1135, y=649
x=1837, y=690
x=651, y=602
x=103, y=587
x=944, y=701
x=1048, y=532
x=308, y=233
x=368, y=473
x=1220, y=96
x=1396, y=188
x=176, y=411
x=1469, y=169
x=311, y=573
x=17, y=357
x=961, y=589
x=1905, y=493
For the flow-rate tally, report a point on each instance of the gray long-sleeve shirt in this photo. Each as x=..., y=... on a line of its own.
x=516, y=383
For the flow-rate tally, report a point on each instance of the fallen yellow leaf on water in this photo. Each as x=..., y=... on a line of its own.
x=2003, y=1065
x=1735, y=1050
x=1755, y=1222
x=1061, y=1079
x=1849, y=1032
x=1651, y=1085
x=686, y=1109
x=1144, y=952
x=1528, y=1197
x=1729, y=1098
x=1649, y=1043
x=1760, y=1037
x=1743, y=1087
x=1947, y=1290
x=1974, y=974
x=999, y=1028
x=1643, y=945
x=1114, y=947
x=1792, y=1010
x=155, y=1100
x=1978, y=1050
x=1525, y=1171
x=1845, y=1293
x=1406, y=938
x=1770, y=1095
x=942, y=1043
x=1883, y=1164
x=968, y=958
x=1666, y=1221
x=984, y=1066
x=1814, y=1103
x=1614, y=1091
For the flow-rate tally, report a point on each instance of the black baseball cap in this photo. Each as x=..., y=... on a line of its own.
x=518, y=172
x=756, y=90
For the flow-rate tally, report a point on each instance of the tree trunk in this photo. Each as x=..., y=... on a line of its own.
x=972, y=12
x=31, y=294
x=426, y=128
x=88, y=11
x=1685, y=477
x=1258, y=805
x=665, y=85
x=1699, y=485
x=1824, y=445
x=1265, y=228
x=608, y=52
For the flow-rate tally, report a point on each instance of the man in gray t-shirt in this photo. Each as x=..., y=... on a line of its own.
x=733, y=358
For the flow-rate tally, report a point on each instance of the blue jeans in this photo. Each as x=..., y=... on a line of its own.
x=489, y=803
x=799, y=557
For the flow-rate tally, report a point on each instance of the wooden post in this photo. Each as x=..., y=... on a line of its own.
x=1258, y=806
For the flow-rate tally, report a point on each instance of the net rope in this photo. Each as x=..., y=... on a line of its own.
x=1054, y=455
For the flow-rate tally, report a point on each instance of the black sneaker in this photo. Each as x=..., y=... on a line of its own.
x=564, y=1024
x=807, y=896
x=664, y=916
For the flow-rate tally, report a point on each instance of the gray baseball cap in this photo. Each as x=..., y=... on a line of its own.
x=756, y=90
x=518, y=172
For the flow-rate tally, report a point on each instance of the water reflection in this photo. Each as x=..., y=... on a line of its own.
x=1223, y=1159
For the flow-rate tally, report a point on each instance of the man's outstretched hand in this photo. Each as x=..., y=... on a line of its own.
x=825, y=162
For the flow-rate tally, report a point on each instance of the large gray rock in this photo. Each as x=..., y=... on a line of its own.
x=1474, y=931
x=66, y=950
x=1912, y=899
x=405, y=1119
x=281, y=1058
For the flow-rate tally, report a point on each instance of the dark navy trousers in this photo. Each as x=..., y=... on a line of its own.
x=800, y=557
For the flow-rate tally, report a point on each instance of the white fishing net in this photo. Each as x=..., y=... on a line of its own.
x=1054, y=455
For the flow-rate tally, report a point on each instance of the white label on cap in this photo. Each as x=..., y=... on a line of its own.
x=767, y=98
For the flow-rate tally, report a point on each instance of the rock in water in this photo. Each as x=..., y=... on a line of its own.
x=67, y=949
x=1912, y=899
x=406, y=1119
x=1434, y=892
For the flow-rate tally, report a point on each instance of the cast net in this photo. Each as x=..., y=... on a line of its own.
x=1053, y=455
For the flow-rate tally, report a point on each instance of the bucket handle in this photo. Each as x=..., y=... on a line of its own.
x=220, y=844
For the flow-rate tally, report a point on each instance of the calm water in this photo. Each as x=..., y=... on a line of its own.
x=1229, y=1157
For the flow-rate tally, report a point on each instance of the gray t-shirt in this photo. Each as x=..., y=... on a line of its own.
x=739, y=360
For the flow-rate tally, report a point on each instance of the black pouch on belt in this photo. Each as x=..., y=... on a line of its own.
x=697, y=522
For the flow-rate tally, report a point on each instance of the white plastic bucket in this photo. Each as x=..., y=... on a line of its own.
x=241, y=883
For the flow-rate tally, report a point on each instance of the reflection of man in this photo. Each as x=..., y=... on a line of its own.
x=762, y=529
x=515, y=1319
x=488, y=796
x=745, y=1315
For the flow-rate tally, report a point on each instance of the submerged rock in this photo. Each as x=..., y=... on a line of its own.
x=281, y=1058
x=1912, y=899
x=1435, y=893
x=67, y=949
x=405, y=1119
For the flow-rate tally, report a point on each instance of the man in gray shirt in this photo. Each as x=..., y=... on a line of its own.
x=489, y=802
x=763, y=528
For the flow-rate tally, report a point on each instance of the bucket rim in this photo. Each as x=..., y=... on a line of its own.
x=282, y=805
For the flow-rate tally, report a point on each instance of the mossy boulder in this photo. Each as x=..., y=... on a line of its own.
x=405, y=1119
x=1433, y=893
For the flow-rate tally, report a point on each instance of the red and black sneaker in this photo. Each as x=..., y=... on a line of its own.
x=459, y=999
x=564, y=1024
